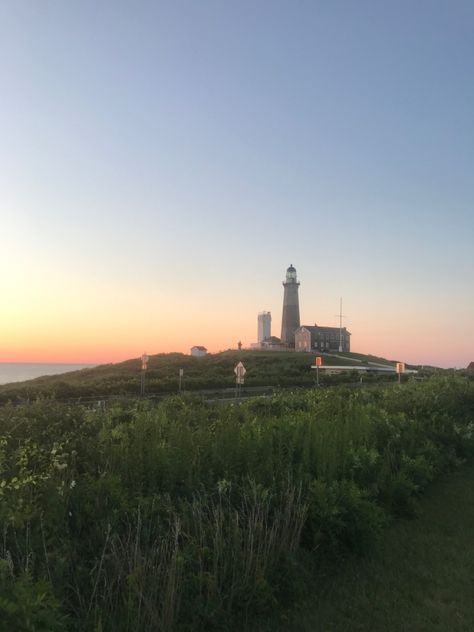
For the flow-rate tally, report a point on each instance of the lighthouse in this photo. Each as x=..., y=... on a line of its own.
x=290, y=320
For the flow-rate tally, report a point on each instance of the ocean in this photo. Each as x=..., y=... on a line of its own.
x=19, y=371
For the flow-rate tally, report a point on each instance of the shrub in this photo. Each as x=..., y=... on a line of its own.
x=181, y=516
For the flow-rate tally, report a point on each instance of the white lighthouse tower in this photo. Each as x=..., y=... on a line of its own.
x=291, y=309
x=264, y=326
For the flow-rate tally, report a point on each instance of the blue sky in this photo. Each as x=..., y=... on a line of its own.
x=179, y=155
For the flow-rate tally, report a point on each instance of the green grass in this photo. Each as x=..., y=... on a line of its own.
x=367, y=358
x=421, y=578
x=264, y=368
x=180, y=516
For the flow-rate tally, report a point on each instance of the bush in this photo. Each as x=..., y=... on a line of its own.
x=27, y=605
x=182, y=516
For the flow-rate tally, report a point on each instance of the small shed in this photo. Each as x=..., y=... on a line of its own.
x=198, y=351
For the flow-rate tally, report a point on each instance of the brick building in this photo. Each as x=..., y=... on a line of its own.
x=316, y=338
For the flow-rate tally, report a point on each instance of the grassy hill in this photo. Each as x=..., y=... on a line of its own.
x=264, y=368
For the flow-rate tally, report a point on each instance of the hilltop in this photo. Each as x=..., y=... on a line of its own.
x=210, y=372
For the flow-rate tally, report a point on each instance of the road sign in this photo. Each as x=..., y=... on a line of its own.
x=181, y=372
x=400, y=369
x=144, y=359
x=319, y=362
x=240, y=371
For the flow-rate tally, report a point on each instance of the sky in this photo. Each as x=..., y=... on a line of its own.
x=163, y=162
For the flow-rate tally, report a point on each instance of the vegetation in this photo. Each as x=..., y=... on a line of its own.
x=213, y=371
x=419, y=580
x=181, y=516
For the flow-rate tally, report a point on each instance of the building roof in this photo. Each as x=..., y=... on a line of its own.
x=470, y=366
x=322, y=330
x=199, y=347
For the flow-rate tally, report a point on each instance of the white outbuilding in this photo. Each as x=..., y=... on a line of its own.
x=198, y=351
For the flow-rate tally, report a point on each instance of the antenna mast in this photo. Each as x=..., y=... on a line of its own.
x=340, y=325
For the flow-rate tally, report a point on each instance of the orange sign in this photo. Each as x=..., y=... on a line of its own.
x=319, y=361
x=400, y=367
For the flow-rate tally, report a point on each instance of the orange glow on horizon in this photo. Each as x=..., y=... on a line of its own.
x=70, y=322
x=100, y=350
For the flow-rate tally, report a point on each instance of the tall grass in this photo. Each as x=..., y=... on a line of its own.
x=180, y=516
